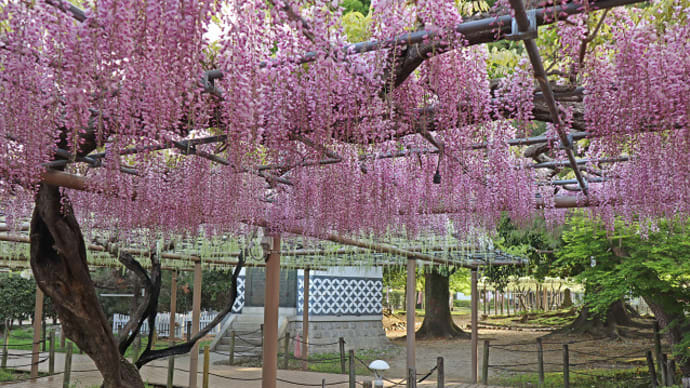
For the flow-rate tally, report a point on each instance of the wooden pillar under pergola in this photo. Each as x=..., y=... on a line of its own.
x=410, y=312
x=269, y=370
x=305, y=320
x=475, y=331
x=196, y=313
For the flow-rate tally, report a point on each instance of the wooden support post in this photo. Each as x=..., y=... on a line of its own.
x=411, y=378
x=38, y=317
x=566, y=367
x=68, y=367
x=410, y=311
x=486, y=302
x=207, y=361
x=652, y=372
x=305, y=321
x=341, y=344
x=286, y=351
x=171, y=369
x=485, y=364
x=440, y=373
x=196, y=312
x=475, y=328
x=351, y=362
x=657, y=351
x=269, y=371
x=671, y=372
x=173, y=305
x=51, y=352
x=231, y=359
x=5, y=345
x=540, y=362
x=503, y=301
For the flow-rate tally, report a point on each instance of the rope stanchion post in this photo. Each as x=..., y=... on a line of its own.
x=207, y=361
x=352, y=382
x=68, y=367
x=652, y=372
x=566, y=367
x=540, y=362
x=38, y=316
x=171, y=370
x=485, y=364
x=286, y=354
x=440, y=373
x=231, y=360
x=323, y=383
x=51, y=352
x=341, y=344
x=5, y=345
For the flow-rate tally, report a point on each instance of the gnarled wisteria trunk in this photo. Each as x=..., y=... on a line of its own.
x=58, y=260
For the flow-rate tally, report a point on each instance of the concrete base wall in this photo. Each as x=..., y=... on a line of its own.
x=359, y=332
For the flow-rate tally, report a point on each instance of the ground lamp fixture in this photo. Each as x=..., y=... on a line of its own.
x=379, y=366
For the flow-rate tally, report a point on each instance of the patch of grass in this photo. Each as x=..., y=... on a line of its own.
x=22, y=339
x=556, y=318
x=7, y=375
x=328, y=362
x=598, y=378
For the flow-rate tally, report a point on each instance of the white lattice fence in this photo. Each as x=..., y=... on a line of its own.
x=183, y=322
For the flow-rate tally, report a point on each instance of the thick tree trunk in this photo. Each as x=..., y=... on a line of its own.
x=58, y=260
x=598, y=325
x=567, y=301
x=669, y=312
x=438, y=322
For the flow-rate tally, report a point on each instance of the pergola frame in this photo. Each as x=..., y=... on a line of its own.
x=475, y=32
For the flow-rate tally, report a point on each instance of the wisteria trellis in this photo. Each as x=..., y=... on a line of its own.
x=281, y=122
x=130, y=73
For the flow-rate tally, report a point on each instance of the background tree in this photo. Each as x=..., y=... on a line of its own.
x=650, y=260
x=438, y=321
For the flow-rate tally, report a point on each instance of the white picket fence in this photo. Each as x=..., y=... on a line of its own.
x=183, y=322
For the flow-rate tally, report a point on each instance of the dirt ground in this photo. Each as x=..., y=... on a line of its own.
x=511, y=349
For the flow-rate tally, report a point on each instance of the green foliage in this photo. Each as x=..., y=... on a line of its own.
x=651, y=262
x=600, y=378
x=534, y=242
x=350, y=6
x=17, y=297
x=356, y=26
